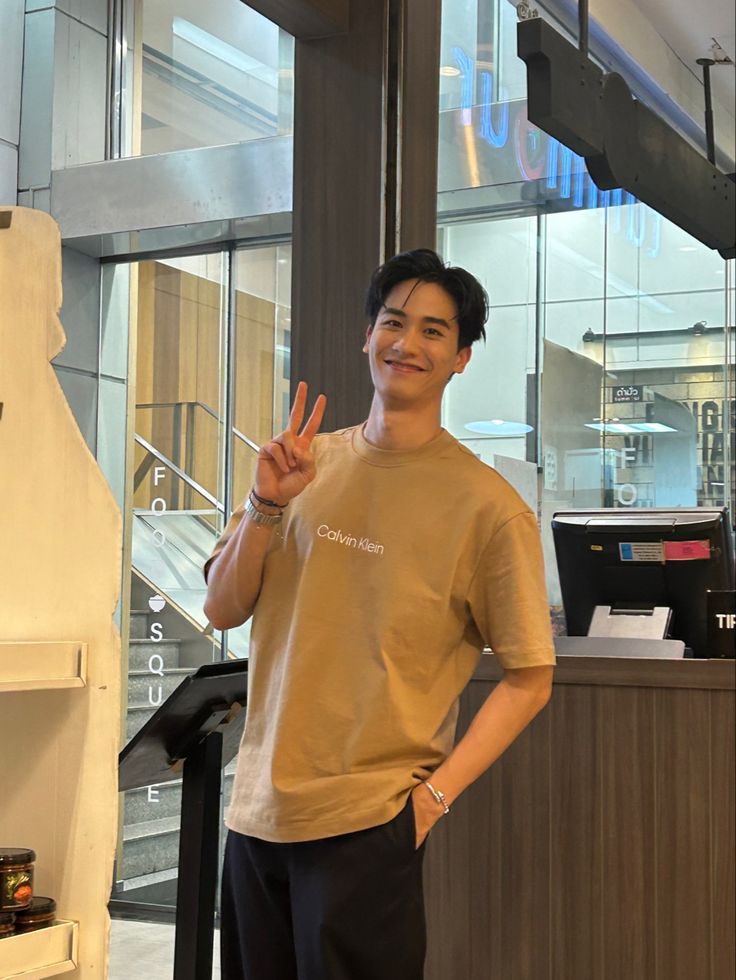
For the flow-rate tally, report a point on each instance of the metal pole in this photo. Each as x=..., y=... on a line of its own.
x=198, y=840
x=706, y=63
x=583, y=25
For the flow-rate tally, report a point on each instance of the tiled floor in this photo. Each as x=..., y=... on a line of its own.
x=145, y=951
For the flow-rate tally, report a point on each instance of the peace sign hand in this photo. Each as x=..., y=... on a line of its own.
x=286, y=464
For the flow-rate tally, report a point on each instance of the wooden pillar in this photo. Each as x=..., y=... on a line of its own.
x=338, y=208
x=365, y=182
x=415, y=38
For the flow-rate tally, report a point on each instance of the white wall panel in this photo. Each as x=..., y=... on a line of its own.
x=34, y=161
x=93, y=13
x=80, y=312
x=80, y=73
x=80, y=391
x=8, y=173
x=11, y=68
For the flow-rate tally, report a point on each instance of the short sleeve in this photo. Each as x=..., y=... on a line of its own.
x=230, y=529
x=508, y=597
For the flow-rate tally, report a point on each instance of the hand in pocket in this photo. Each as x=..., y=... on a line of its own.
x=426, y=813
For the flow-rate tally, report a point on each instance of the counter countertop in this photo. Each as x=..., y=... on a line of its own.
x=630, y=672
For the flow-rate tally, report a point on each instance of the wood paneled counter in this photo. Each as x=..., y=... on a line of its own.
x=601, y=845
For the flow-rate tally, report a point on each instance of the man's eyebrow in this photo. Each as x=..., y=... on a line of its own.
x=426, y=319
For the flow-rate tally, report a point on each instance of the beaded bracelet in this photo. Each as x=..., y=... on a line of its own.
x=268, y=503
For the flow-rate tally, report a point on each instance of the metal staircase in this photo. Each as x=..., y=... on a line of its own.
x=169, y=549
x=151, y=815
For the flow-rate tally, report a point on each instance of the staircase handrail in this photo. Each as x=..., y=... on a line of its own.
x=210, y=411
x=179, y=472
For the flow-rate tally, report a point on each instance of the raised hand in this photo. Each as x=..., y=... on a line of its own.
x=286, y=464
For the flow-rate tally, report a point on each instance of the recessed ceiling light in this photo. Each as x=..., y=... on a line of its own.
x=653, y=427
x=688, y=248
x=628, y=428
x=449, y=71
x=614, y=428
x=498, y=427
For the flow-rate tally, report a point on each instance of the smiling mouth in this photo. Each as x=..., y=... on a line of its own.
x=404, y=368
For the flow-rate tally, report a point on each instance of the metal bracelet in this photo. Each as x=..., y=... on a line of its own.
x=439, y=796
x=259, y=517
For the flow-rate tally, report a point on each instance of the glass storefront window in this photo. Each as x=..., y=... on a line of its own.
x=262, y=281
x=605, y=377
x=177, y=310
x=205, y=75
x=262, y=292
x=210, y=339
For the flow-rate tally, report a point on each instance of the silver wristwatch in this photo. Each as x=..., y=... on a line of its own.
x=258, y=517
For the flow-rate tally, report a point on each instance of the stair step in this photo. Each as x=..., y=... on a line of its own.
x=150, y=846
x=148, y=829
x=144, y=685
x=138, y=715
x=142, y=881
x=138, y=808
x=139, y=628
x=151, y=837
x=142, y=649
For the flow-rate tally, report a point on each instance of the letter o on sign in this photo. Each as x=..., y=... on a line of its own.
x=626, y=494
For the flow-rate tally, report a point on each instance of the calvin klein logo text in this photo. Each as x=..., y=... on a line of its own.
x=349, y=540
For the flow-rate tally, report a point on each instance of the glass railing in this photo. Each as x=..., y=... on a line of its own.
x=176, y=518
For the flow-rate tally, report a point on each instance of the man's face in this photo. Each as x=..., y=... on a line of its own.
x=412, y=347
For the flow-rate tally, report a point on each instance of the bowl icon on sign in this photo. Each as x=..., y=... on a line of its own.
x=157, y=603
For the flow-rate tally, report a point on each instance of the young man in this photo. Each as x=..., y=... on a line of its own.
x=376, y=562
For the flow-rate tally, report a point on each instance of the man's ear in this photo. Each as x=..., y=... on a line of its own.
x=463, y=356
x=368, y=333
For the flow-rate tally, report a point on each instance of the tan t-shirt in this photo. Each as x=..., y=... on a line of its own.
x=389, y=572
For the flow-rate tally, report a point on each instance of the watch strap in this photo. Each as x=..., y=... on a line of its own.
x=259, y=517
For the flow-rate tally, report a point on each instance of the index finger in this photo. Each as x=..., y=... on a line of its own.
x=311, y=429
x=297, y=409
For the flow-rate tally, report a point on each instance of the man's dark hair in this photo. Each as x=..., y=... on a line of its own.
x=470, y=297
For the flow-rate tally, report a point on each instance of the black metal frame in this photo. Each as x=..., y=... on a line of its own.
x=193, y=734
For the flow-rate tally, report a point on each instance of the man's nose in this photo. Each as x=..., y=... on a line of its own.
x=407, y=340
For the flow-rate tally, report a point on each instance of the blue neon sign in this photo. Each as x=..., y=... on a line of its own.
x=561, y=169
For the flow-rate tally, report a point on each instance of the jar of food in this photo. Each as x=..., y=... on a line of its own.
x=16, y=878
x=41, y=912
x=7, y=924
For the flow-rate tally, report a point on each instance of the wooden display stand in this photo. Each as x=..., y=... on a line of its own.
x=60, y=534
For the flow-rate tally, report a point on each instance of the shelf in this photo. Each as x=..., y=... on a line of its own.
x=44, y=953
x=42, y=666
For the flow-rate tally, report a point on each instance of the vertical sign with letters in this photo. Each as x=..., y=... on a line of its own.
x=722, y=624
x=156, y=603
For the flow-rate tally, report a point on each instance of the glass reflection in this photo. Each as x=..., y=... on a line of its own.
x=207, y=75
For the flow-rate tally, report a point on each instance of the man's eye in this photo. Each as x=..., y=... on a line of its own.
x=391, y=323
x=434, y=331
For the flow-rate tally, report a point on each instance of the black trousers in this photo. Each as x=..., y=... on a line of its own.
x=342, y=908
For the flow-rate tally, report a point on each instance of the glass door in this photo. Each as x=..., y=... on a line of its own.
x=178, y=313
x=208, y=383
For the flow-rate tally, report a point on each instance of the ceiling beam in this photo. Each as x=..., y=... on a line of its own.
x=306, y=18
